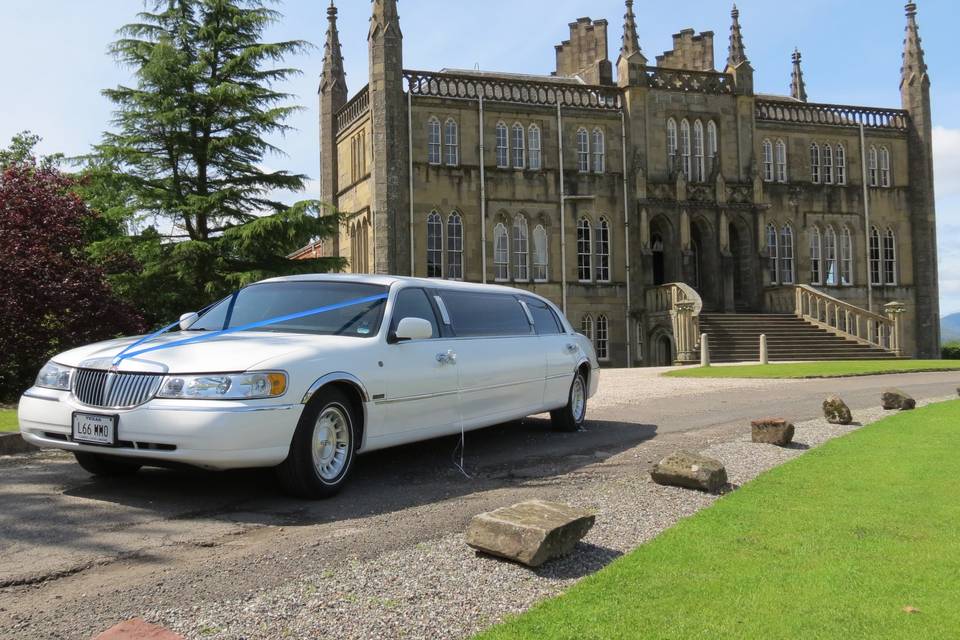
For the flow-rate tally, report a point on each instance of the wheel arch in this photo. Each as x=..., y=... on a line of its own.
x=354, y=390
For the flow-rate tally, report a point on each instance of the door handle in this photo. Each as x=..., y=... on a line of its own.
x=572, y=348
x=450, y=357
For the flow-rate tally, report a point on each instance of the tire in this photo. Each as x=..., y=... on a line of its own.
x=105, y=466
x=571, y=417
x=322, y=451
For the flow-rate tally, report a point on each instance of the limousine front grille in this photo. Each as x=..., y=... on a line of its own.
x=115, y=390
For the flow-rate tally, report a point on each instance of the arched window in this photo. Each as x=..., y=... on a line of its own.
x=434, y=246
x=603, y=251
x=685, y=147
x=712, y=148
x=699, y=166
x=815, y=174
x=599, y=151
x=584, y=251
x=521, y=249
x=433, y=141
x=541, y=254
x=816, y=257
x=876, y=258
x=781, y=161
x=846, y=256
x=451, y=142
x=535, y=156
x=827, y=164
x=773, y=249
x=501, y=253
x=519, y=147
x=767, y=161
x=455, y=247
x=786, y=255
x=583, y=150
x=889, y=258
x=602, y=342
x=503, y=146
x=873, y=167
x=586, y=326
x=672, y=143
x=830, y=249
x=841, y=164
x=885, y=167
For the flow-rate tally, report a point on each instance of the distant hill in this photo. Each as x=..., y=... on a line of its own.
x=950, y=328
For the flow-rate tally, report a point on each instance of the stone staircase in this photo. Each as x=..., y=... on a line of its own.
x=736, y=338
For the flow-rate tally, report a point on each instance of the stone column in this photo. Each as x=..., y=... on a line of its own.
x=895, y=311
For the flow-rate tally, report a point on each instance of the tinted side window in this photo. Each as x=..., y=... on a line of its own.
x=544, y=319
x=413, y=303
x=478, y=315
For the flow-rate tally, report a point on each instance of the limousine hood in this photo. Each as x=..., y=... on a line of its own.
x=233, y=353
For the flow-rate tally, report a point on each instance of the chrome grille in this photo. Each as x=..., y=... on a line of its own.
x=115, y=390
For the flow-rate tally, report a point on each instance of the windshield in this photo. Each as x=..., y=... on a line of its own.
x=261, y=302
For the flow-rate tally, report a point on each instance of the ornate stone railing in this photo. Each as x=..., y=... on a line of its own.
x=683, y=305
x=689, y=81
x=831, y=114
x=839, y=317
x=518, y=91
x=354, y=110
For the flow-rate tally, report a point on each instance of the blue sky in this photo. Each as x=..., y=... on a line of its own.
x=55, y=63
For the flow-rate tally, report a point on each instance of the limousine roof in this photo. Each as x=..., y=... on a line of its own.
x=387, y=281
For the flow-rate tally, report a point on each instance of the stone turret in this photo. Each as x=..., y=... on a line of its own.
x=915, y=95
x=333, y=96
x=798, y=88
x=737, y=63
x=585, y=54
x=390, y=171
x=631, y=62
x=691, y=52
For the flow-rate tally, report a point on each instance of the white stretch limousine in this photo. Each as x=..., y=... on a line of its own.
x=303, y=373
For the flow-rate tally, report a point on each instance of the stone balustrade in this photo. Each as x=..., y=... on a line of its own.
x=683, y=304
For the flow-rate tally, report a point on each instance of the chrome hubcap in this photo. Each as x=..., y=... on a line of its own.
x=578, y=400
x=331, y=442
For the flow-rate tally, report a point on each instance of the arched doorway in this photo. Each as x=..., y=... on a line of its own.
x=659, y=261
x=740, y=291
x=665, y=252
x=663, y=350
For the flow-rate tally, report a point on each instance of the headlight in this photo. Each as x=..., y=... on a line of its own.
x=55, y=376
x=226, y=386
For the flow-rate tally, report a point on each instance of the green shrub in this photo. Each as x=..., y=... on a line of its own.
x=951, y=351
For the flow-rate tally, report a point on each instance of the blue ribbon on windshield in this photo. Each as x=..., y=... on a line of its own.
x=130, y=353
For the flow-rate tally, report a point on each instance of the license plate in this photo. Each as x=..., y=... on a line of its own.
x=91, y=428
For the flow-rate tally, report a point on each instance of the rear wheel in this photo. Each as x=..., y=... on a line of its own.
x=572, y=416
x=322, y=451
x=101, y=465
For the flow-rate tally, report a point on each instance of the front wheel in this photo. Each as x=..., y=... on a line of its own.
x=571, y=417
x=322, y=451
x=106, y=466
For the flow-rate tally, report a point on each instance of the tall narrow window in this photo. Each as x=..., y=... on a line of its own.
x=541, y=255
x=841, y=164
x=767, y=161
x=786, y=255
x=519, y=147
x=876, y=273
x=889, y=258
x=885, y=167
x=599, y=151
x=827, y=164
x=603, y=251
x=521, y=249
x=685, y=147
x=830, y=248
x=672, y=143
x=586, y=326
x=781, y=161
x=501, y=253
x=712, y=159
x=816, y=257
x=451, y=142
x=503, y=146
x=846, y=257
x=699, y=165
x=584, y=251
x=434, y=246
x=815, y=173
x=583, y=151
x=535, y=154
x=602, y=343
x=455, y=247
x=873, y=166
x=773, y=249
x=433, y=141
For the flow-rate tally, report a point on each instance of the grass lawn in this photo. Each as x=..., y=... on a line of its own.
x=8, y=421
x=835, y=544
x=818, y=369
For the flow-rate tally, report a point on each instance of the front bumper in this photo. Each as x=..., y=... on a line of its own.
x=207, y=434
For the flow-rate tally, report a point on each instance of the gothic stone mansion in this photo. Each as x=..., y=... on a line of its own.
x=640, y=198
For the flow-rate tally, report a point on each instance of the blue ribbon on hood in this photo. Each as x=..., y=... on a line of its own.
x=129, y=352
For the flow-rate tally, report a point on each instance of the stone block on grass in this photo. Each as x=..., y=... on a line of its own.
x=836, y=411
x=690, y=471
x=896, y=400
x=530, y=532
x=776, y=431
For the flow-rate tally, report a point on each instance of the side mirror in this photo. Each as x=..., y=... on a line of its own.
x=187, y=320
x=414, y=329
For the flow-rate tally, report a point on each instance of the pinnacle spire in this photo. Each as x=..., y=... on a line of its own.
x=737, y=55
x=333, y=72
x=385, y=16
x=798, y=87
x=631, y=41
x=914, y=67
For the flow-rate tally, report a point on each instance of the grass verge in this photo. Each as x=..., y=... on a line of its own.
x=818, y=369
x=8, y=421
x=856, y=539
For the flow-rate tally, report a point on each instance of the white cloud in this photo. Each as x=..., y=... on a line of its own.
x=946, y=160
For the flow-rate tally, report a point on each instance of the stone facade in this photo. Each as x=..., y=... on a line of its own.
x=608, y=189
